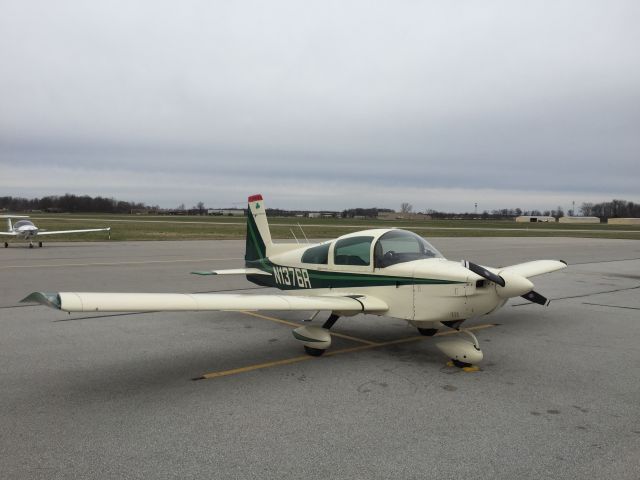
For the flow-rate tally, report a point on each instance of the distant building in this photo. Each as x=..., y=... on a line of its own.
x=227, y=212
x=144, y=211
x=624, y=221
x=535, y=218
x=403, y=216
x=579, y=220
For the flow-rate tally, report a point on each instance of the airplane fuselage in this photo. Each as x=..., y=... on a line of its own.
x=26, y=232
x=420, y=291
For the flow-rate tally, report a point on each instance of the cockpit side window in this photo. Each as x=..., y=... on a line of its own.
x=353, y=251
x=318, y=255
x=398, y=246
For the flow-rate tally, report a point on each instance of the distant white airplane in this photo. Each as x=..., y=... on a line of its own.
x=26, y=230
x=382, y=271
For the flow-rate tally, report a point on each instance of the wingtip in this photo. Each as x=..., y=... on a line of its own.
x=50, y=299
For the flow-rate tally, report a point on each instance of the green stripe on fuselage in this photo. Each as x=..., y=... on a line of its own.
x=323, y=279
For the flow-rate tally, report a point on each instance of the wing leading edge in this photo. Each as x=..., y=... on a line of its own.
x=173, y=302
x=61, y=232
x=536, y=267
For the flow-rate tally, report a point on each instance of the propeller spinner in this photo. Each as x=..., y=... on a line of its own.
x=509, y=282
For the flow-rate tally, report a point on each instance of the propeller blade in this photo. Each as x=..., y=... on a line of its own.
x=535, y=297
x=483, y=272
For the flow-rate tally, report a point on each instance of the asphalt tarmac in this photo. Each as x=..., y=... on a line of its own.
x=113, y=396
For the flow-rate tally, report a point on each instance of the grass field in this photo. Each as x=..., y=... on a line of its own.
x=147, y=227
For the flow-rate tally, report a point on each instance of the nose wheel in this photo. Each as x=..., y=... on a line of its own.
x=462, y=353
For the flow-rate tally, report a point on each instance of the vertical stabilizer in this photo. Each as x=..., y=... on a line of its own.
x=9, y=225
x=258, y=234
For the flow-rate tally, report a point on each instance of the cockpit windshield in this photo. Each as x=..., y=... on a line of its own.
x=23, y=223
x=398, y=246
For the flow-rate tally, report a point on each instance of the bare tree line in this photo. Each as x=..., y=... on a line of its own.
x=69, y=203
x=85, y=203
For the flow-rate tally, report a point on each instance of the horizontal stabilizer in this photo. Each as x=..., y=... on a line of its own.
x=234, y=271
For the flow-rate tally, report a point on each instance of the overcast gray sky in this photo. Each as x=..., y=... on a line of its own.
x=322, y=104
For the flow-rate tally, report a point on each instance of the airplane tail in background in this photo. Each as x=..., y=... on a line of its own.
x=9, y=225
x=258, y=235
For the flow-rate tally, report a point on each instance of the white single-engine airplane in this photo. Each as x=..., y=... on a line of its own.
x=26, y=230
x=389, y=272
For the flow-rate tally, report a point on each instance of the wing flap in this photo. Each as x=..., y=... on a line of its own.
x=174, y=302
x=536, y=267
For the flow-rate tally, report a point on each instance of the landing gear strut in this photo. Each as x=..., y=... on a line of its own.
x=316, y=340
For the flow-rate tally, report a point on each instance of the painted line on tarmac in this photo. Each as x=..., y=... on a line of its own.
x=610, y=306
x=580, y=296
x=106, y=264
x=296, y=325
x=288, y=361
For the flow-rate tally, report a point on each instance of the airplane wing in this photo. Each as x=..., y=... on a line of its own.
x=536, y=267
x=174, y=302
x=10, y=234
x=60, y=232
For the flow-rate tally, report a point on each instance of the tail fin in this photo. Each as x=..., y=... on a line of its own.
x=258, y=235
x=9, y=226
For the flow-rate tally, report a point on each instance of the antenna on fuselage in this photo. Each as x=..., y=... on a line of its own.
x=303, y=234
x=294, y=235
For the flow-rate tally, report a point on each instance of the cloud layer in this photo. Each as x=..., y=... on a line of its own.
x=322, y=104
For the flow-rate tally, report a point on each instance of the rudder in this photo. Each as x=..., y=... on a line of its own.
x=258, y=234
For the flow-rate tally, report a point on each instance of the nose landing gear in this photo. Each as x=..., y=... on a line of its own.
x=463, y=353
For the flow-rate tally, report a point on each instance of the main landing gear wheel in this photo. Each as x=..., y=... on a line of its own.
x=6, y=245
x=314, y=352
x=316, y=340
x=40, y=244
x=428, y=332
